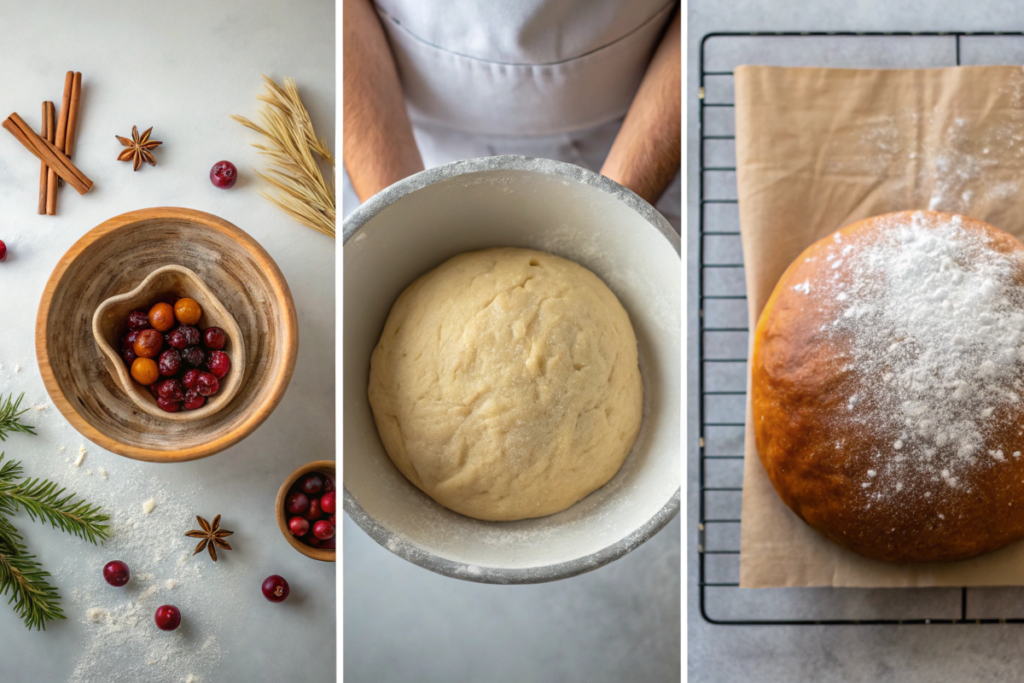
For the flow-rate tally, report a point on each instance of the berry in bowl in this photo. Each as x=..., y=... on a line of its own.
x=306, y=510
x=172, y=346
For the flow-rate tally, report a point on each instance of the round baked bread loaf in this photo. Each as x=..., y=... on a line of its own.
x=506, y=384
x=887, y=387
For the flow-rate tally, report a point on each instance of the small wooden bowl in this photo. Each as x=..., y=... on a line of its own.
x=113, y=258
x=326, y=467
x=109, y=326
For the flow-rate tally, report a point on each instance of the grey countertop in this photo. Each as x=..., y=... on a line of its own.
x=908, y=653
x=181, y=67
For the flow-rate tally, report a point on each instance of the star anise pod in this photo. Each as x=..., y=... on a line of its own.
x=138, y=148
x=212, y=535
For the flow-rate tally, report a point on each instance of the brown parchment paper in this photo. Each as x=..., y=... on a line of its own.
x=817, y=149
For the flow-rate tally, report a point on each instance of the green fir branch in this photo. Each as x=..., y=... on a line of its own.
x=10, y=470
x=9, y=417
x=41, y=499
x=35, y=600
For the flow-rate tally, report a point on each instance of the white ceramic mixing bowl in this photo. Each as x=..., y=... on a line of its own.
x=414, y=226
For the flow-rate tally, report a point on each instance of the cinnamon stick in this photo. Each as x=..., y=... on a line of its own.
x=46, y=151
x=47, y=130
x=62, y=130
x=76, y=96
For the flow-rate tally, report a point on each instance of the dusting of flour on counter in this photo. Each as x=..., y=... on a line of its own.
x=97, y=615
x=121, y=644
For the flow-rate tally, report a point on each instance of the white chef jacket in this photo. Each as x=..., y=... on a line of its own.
x=542, y=78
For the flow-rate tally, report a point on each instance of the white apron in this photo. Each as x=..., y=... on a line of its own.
x=542, y=78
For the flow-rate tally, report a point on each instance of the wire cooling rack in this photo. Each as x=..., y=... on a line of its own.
x=723, y=338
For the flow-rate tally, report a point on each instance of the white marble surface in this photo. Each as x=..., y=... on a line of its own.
x=722, y=654
x=181, y=67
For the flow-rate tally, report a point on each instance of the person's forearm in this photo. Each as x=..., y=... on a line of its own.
x=647, y=151
x=379, y=148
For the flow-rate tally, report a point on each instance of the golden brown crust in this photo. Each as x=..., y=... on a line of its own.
x=803, y=380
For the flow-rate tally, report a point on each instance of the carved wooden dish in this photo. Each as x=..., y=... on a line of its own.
x=114, y=258
x=326, y=467
x=109, y=326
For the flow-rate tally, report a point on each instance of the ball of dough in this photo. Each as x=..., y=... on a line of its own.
x=887, y=387
x=505, y=384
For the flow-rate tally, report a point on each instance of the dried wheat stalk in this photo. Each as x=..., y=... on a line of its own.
x=292, y=143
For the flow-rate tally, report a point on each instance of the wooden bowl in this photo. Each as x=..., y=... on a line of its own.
x=326, y=467
x=113, y=258
x=109, y=326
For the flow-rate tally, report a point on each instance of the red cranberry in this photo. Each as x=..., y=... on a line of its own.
x=218, y=363
x=333, y=523
x=168, y=406
x=128, y=340
x=313, y=541
x=167, y=617
x=323, y=530
x=192, y=334
x=275, y=588
x=193, y=401
x=193, y=356
x=328, y=484
x=128, y=347
x=298, y=526
x=207, y=384
x=214, y=338
x=169, y=362
x=223, y=174
x=189, y=378
x=3, y=251
x=327, y=502
x=328, y=544
x=176, y=339
x=152, y=390
x=138, y=320
x=311, y=484
x=116, y=573
x=170, y=390
x=313, y=512
x=296, y=503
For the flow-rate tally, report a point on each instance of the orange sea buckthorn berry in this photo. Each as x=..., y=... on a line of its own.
x=161, y=317
x=187, y=311
x=145, y=371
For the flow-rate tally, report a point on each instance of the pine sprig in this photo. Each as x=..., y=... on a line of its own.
x=35, y=600
x=41, y=499
x=9, y=417
x=9, y=471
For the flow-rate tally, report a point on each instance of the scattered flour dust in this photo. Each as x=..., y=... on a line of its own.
x=935, y=324
x=957, y=165
x=121, y=642
x=116, y=639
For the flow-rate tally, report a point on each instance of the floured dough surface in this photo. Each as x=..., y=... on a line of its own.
x=886, y=387
x=505, y=384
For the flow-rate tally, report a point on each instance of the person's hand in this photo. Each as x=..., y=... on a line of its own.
x=647, y=150
x=378, y=144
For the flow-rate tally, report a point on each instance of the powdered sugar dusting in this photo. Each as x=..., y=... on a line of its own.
x=934, y=323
